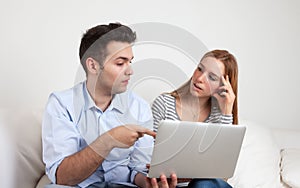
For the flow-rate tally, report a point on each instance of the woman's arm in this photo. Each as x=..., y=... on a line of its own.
x=158, y=111
x=225, y=97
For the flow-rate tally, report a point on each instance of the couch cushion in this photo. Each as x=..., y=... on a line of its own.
x=258, y=163
x=287, y=138
x=43, y=181
x=290, y=167
x=6, y=155
x=24, y=127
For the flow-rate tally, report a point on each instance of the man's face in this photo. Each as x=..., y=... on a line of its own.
x=116, y=71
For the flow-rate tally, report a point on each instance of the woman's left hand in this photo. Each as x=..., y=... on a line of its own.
x=225, y=96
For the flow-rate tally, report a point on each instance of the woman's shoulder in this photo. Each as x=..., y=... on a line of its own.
x=164, y=97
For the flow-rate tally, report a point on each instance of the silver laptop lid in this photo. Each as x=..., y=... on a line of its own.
x=196, y=150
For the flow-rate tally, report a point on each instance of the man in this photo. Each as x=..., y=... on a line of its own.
x=96, y=134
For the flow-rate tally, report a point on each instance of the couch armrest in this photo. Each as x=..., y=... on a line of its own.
x=24, y=130
x=43, y=181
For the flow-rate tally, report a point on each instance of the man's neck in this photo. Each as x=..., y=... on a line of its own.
x=101, y=98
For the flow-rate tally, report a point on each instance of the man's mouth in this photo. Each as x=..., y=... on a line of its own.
x=126, y=81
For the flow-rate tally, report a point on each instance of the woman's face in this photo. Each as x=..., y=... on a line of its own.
x=207, y=77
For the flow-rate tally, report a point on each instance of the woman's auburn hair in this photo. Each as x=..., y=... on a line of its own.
x=231, y=69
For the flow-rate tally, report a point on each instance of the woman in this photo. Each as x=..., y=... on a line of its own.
x=209, y=96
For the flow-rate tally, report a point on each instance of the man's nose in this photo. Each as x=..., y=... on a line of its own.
x=129, y=70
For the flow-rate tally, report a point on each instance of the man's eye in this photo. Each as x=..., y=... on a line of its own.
x=200, y=69
x=120, y=63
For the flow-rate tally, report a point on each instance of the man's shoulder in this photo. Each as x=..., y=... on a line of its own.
x=133, y=97
x=70, y=92
x=135, y=110
x=132, y=100
x=69, y=96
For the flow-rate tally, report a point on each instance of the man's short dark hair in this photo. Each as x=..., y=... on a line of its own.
x=94, y=41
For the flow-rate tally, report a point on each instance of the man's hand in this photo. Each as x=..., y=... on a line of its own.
x=121, y=137
x=126, y=135
x=142, y=181
x=164, y=183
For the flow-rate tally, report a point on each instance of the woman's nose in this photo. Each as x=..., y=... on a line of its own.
x=202, y=77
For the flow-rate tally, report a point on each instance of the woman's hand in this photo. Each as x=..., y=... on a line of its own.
x=225, y=96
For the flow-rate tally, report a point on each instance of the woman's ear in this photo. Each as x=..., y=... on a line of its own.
x=92, y=66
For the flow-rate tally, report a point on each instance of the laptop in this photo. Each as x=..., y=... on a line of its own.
x=196, y=150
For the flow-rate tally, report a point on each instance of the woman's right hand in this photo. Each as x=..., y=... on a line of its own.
x=225, y=96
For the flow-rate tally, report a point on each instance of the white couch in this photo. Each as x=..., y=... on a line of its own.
x=23, y=137
x=259, y=163
x=269, y=158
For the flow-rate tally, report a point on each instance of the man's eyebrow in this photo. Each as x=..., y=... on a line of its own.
x=124, y=58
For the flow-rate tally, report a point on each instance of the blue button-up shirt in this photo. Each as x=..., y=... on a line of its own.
x=72, y=121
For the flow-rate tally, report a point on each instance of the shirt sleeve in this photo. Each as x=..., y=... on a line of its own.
x=59, y=135
x=141, y=156
x=216, y=116
x=142, y=152
x=158, y=111
x=226, y=119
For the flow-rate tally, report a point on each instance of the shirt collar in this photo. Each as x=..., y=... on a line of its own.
x=119, y=101
x=89, y=102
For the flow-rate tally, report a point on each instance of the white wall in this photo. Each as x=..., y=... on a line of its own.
x=39, y=45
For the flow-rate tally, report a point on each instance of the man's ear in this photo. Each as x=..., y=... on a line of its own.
x=92, y=66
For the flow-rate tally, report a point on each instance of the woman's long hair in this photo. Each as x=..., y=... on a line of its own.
x=231, y=69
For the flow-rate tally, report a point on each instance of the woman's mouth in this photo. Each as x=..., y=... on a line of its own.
x=197, y=87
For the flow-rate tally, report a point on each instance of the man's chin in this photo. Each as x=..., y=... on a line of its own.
x=119, y=90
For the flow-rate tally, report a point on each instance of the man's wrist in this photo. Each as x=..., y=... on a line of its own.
x=140, y=179
x=102, y=145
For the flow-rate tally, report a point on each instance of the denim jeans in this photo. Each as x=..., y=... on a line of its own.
x=208, y=183
x=107, y=185
x=95, y=185
x=195, y=183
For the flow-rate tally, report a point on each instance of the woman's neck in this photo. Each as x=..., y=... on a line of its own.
x=193, y=108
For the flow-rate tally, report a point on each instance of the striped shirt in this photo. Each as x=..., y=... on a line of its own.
x=164, y=107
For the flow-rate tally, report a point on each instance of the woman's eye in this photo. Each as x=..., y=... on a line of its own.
x=212, y=78
x=200, y=69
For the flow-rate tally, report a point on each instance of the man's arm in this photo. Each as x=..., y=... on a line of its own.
x=77, y=167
